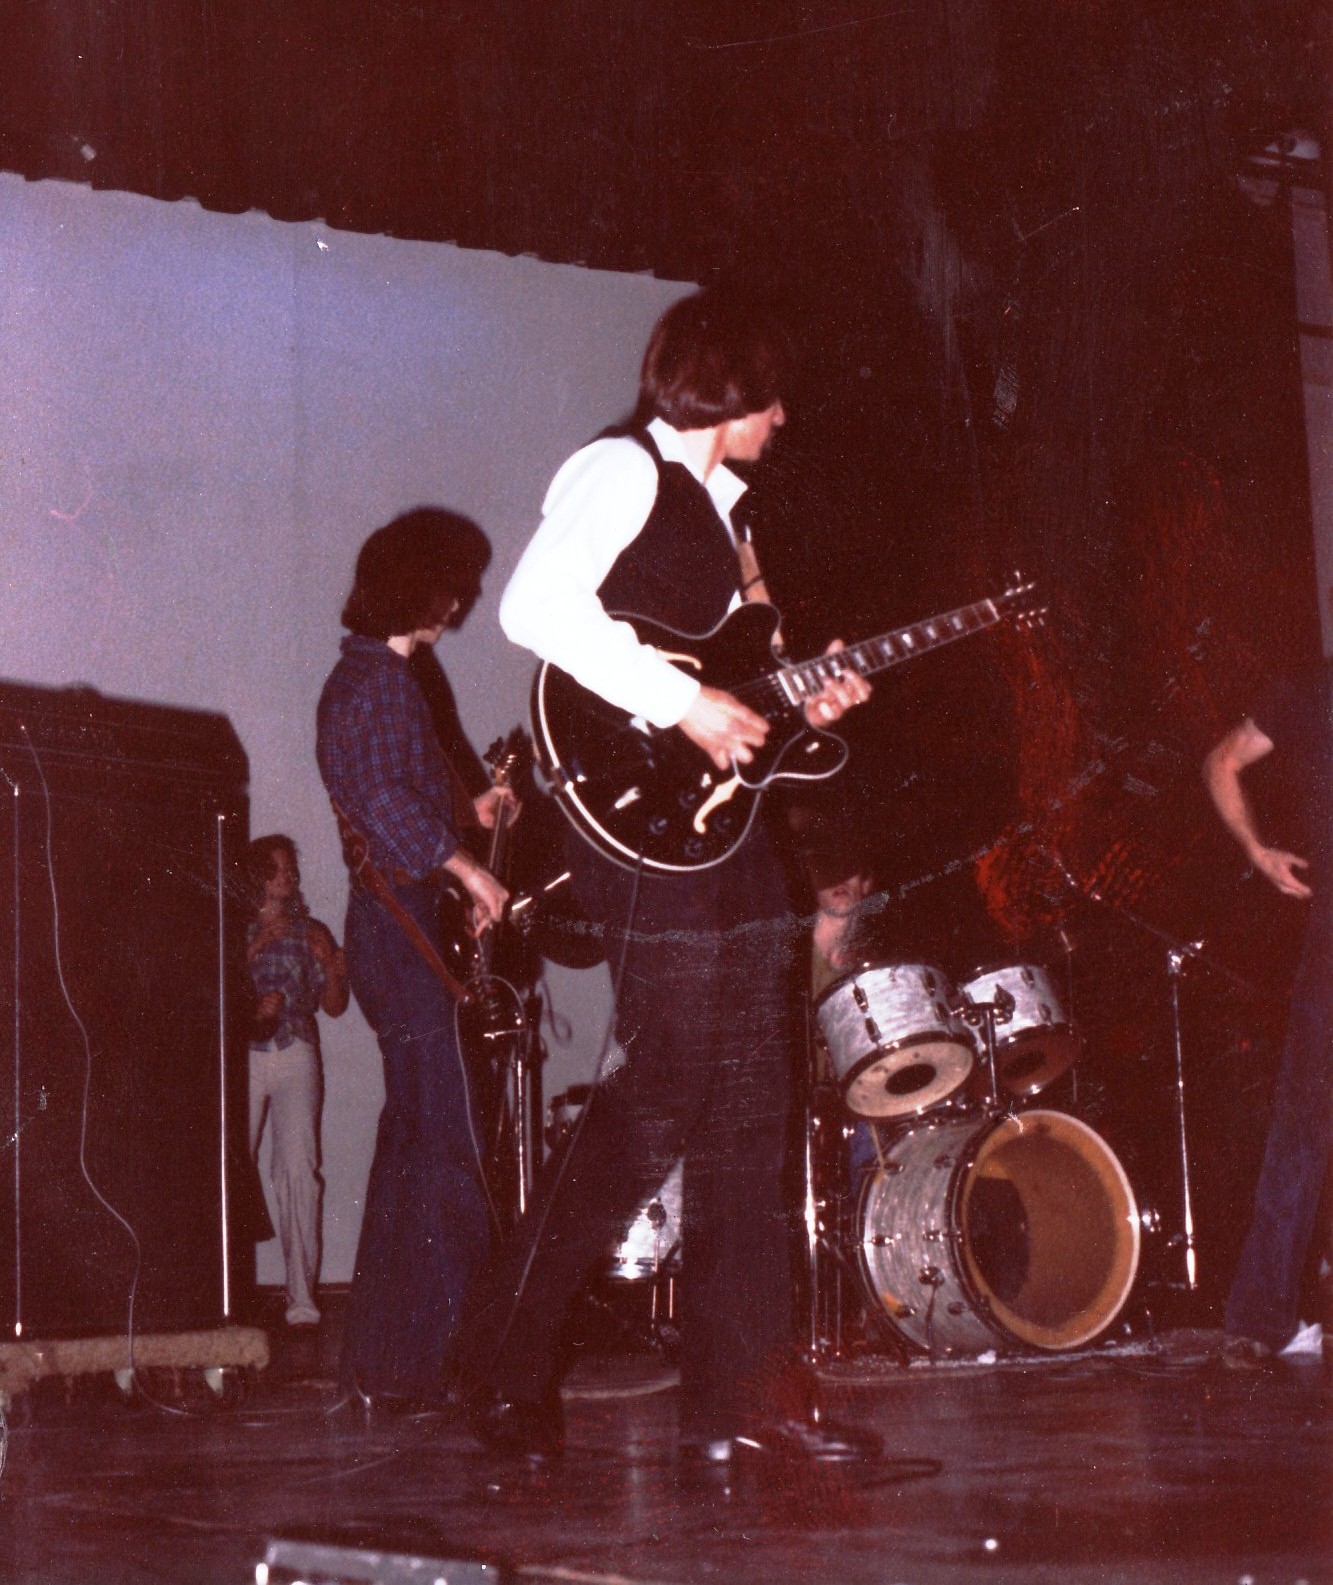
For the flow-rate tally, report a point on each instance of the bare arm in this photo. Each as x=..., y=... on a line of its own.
x=1240, y=748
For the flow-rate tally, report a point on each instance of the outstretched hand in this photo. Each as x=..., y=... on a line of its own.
x=1279, y=867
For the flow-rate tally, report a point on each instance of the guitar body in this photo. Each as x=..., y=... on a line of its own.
x=638, y=792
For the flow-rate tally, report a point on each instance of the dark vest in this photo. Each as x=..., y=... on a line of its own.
x=681, y=568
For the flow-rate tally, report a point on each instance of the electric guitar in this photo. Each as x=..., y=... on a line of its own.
x=647, y=795
x=470, y=956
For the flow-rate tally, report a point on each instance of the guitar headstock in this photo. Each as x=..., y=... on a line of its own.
x=507, y=756
x=1019, y=603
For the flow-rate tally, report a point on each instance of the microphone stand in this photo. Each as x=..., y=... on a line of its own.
x=1178, y=954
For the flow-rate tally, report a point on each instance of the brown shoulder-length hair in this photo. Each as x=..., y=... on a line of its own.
x=258, y=867
x=415, y=572
x=711, y=358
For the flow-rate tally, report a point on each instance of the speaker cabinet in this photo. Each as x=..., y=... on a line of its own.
x=122, y=1066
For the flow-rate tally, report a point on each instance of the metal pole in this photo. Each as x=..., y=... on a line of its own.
x=220, y=887
x=1175, y=961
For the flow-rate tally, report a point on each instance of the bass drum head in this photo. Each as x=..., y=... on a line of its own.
x=1049, y=1230
x=981, y=1231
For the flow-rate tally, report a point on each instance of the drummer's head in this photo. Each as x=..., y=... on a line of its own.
x=840, y=874
x=842, y=896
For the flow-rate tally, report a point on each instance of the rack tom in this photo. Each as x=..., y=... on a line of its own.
x=895, y=1044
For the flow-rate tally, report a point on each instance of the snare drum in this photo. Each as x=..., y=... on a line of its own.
x=651, y=1246
x=895, y=1044
x=1037, y=1043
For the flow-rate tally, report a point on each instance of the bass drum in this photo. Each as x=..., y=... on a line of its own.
x=979, y=1233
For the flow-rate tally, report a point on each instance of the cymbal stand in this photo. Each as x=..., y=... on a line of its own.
x=818, y=1345
x=1176, y=958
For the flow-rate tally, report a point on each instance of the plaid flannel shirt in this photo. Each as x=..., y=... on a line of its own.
x=381, y=761
x=289, y=965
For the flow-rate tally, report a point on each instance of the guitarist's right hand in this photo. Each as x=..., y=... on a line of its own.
x=487, y=894
x=723, y=728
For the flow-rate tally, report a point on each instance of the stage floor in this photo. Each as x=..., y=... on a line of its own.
x=1130, y=1463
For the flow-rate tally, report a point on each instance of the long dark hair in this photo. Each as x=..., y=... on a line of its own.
x=258, y=869
x=711, y=357
x=416, y=572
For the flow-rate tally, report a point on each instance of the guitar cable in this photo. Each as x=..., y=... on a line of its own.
x=549, y=1198
x=85, y=1100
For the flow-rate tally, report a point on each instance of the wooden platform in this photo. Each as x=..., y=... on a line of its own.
x=222, y=1348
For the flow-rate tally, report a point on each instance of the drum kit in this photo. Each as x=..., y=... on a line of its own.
x=981, y=1222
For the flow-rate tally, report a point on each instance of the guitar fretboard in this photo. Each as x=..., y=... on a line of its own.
x=801, y=682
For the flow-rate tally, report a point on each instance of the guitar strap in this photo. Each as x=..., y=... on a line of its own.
x=753, y=586
x=356, y=853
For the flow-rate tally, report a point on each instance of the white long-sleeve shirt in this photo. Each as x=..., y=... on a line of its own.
x=597, y=504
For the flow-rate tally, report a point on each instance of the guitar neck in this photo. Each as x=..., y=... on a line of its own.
x=871, y=655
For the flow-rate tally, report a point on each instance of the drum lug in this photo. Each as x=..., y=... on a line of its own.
x=1150, y=1219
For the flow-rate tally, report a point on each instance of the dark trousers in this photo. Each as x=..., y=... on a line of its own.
x=424, y=1229
x=703, y=1014
x=1265, y=1293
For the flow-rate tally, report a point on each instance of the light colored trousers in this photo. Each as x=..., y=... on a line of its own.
x=286, y=1087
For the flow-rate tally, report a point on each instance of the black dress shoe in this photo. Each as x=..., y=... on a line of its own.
x=806, y=1439
x=527, y=1430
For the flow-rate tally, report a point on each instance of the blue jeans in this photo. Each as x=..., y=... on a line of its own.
x=1265, y=1294
x=424, y=1229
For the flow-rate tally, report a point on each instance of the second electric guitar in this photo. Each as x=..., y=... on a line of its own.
x=643, y=794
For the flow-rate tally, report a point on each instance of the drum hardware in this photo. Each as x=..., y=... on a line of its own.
x=1176, y=959
x=985, y=1015
x=1178, y=955
x=831, y=1272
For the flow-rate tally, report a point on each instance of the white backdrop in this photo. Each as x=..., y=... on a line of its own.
x=203, y=417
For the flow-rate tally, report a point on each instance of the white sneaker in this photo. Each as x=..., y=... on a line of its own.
x=301, y=1315
x=1309, y=1339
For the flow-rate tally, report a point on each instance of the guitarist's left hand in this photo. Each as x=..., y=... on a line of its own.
x=489, y=804
x=839, y=695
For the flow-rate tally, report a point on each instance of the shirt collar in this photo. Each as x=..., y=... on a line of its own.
x=723, y=486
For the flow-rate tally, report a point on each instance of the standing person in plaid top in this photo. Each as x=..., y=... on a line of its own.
x=298, y=970
x=425, y=1224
